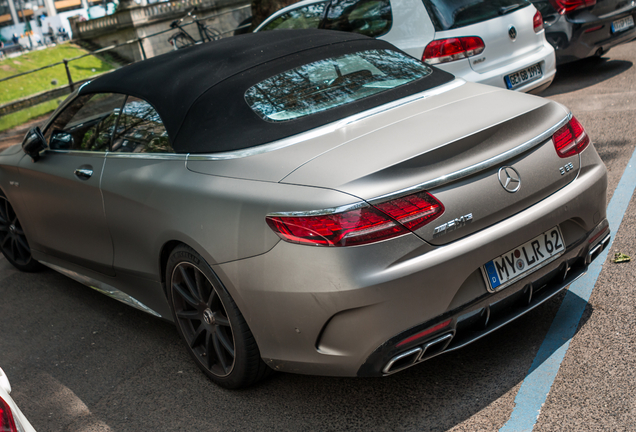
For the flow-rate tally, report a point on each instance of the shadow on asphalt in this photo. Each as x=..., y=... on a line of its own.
x=611, y=150
x=129, y=370
x=585, y=73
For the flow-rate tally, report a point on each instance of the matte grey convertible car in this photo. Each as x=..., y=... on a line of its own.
x=307, y=201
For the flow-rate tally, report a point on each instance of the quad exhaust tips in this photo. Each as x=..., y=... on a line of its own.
x=418, y=354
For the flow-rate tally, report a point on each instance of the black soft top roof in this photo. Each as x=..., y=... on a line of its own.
x=199, y=91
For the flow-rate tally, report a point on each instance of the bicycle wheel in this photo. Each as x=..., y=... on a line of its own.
x=211, y=34
x=180, y=40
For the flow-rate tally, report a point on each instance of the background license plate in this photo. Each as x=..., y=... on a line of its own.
x=523, y=259
x=622, y=24
x=523, y=76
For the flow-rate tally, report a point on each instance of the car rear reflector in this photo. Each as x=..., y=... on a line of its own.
x=566, y=6
x=7, y=424
x=448, y=50
x=426, y=332
x=363, y=225
x=571, y=139
x=537, y=22
x=593, y=29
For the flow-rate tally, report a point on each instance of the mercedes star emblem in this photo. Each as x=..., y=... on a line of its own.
x=512, y=32
x=509, y=179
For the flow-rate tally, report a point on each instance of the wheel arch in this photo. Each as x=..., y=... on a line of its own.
x=164, y=254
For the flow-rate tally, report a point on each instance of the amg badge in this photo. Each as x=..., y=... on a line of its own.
x=452, y=225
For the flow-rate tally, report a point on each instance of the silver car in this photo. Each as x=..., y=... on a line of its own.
x=330, y=206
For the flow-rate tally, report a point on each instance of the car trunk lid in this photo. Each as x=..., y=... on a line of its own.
x=456, y=152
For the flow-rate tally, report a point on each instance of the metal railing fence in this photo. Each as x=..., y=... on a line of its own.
x=47, y=95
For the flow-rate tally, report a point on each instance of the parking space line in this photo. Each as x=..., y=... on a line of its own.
x=537, y=384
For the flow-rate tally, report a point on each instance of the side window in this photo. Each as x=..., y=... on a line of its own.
x=307, y=17
x=367, y=17
x=140, y=129
x=87, y=124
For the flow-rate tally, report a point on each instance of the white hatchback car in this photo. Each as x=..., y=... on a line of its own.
x=496, y=42
x=11, y=418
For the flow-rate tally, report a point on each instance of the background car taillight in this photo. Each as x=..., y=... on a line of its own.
x=566, y=6
x=537, y=22
x=7, y=424
x=359, y=226
x=448, y=50
x=571, y=139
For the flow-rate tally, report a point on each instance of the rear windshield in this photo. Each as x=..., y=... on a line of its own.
x=451, y=14
x=330, y=83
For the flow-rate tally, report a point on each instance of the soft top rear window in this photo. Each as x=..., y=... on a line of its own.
x=451, y=14
x=330, y=83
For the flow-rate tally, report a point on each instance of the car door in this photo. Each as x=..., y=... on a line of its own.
x=61, y=190
x=142, y=186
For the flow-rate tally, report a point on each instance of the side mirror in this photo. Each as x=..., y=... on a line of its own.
x=34, y=143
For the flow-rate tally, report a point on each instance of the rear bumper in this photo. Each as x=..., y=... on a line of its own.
x=486, y=314
x=340, y=311
x=495, y=77
x=586, y=36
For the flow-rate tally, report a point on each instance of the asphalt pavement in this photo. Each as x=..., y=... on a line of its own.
x=80, y=361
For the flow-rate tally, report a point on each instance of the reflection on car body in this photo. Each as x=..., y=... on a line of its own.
x=284, y=208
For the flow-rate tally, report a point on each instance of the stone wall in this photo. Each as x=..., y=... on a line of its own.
x=143, y=22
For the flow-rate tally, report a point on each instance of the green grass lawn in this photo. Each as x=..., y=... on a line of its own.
x=17, y=118
x=39, y=81
x=46, y=79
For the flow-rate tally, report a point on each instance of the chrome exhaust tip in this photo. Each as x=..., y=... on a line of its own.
x=596, y=250
x=435, y=347
x=402, y=361
x=409, y=358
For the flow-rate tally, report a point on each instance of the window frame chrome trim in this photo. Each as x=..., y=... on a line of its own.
x=151, y=156
x=78, y=152
x=116, y=155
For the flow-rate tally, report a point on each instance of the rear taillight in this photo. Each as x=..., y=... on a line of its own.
x=448, y=50
x=537, y=22
x=571, y=139
x=367, y=224
x=7, y=424
x=566, y=6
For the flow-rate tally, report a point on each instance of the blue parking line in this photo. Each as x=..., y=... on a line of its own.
x=536, y=386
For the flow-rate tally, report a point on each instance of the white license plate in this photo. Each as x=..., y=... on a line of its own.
x=523, y=76
x=522, y=260
x=623, y=24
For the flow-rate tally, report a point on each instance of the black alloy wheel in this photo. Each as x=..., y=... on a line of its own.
x=203, y=319
x=13, y=241
x=213, y=329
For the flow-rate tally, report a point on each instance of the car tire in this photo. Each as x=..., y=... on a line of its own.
x=13, y=241
x=216, y=335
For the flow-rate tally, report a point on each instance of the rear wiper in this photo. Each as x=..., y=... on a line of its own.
x=507, y=9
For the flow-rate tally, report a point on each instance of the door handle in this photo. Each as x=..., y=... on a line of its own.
x=83, y=173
